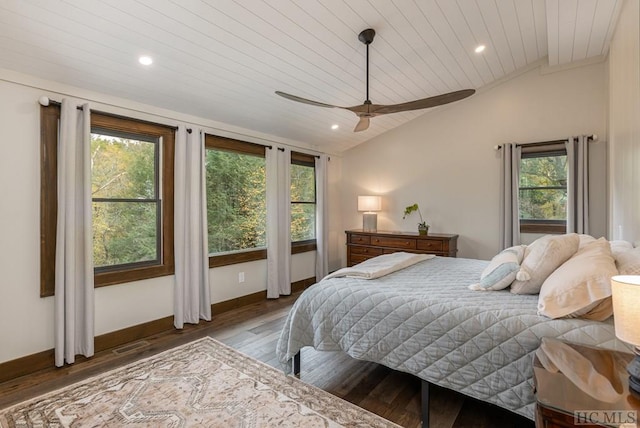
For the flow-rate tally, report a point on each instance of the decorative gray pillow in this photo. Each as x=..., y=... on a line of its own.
x=502, y=270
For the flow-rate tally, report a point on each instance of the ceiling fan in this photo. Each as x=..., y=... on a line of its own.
x=367, y=110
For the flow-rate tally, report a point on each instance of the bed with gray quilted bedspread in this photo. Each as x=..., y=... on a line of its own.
x=424, y=320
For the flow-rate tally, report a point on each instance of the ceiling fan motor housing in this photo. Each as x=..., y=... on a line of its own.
x=366, y=36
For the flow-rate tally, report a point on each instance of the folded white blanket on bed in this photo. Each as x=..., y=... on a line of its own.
x=380, y=265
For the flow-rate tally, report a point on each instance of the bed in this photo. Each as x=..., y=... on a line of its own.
x=424, y=320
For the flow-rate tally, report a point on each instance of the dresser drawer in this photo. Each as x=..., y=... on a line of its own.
x=366, y=251
x=360, y=239
x=358, y=258
x=382, y=241
x=397, y=250
x=430, y=245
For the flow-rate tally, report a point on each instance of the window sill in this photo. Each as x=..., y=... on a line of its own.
x=239, y=257
x=546, y=227
x=102, y=279
x=303, y=246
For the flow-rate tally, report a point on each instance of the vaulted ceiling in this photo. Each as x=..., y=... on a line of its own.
x=223, y=59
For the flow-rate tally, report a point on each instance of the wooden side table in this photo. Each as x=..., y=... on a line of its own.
x=560, y=403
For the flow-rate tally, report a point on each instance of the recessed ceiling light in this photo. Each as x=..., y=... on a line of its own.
x=334, y=127
x=145, y=60
x=480, y=48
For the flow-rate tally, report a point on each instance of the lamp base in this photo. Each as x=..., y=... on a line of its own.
x=369, y=222
x=634, y=373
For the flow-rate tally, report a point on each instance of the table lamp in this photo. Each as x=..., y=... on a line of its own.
x=369, y=204
x=626, y=312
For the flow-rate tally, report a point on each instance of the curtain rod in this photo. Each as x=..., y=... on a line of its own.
x=45, y=101
x=592, y=137
x=282, y=150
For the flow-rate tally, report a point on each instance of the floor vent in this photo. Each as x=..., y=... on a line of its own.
x=131, y=347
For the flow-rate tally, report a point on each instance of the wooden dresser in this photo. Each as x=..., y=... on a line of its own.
x=363, y=245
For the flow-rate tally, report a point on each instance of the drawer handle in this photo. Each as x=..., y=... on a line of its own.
x=376, y=240
x=406, y=243
x=366, y=250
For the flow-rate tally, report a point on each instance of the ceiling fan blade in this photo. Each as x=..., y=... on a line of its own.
x=424, y=103
x=304, y=100
x=363, y=124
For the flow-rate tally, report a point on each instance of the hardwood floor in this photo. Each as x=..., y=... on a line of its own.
x=254, y=330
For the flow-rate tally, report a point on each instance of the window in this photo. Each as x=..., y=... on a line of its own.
x=303, y=203
x=125, y=198
x=236, y=201
x=132, y=192
x=543, y=189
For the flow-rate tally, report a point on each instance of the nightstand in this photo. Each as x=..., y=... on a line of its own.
x=560, y=403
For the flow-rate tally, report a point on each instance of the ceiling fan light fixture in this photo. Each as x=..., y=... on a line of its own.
x=480, y=48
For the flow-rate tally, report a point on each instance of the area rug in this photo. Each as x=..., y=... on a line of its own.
x=203, y=383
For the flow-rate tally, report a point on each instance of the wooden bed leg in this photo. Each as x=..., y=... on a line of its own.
x=296, y=365
x=425, y=404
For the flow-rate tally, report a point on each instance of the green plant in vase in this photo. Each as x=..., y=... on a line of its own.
x=423, y=227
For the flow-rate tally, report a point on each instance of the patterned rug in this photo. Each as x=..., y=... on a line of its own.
x=203, y=383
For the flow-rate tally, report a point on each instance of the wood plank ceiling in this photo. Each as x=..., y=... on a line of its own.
x=223, y=59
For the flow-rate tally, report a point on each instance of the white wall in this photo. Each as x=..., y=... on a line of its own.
x=624, y=124
x=26, y=318
x=445, y=160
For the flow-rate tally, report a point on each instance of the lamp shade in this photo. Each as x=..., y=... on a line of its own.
x=626, y=307
x=369, y=203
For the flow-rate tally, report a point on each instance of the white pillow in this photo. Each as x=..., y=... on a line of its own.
x=618, y=247
x=585, y=239
x=541, y=258
x=502, y=269
x=581, y=287
x=628, y=262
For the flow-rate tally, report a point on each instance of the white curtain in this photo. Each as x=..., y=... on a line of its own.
x=509, y=189
x=192, y=300
x=578, y=184
x=278, y=162
x=74, y=294
x=322, y=232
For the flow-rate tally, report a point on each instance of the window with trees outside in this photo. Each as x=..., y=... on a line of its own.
x=236, y=200
x=125, y=198
x=543, y=189
x=303, y=202
x=132, y=198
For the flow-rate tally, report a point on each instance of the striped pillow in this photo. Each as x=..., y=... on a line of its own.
x=502, y=270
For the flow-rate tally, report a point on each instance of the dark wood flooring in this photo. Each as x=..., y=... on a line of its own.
x=254, y=330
